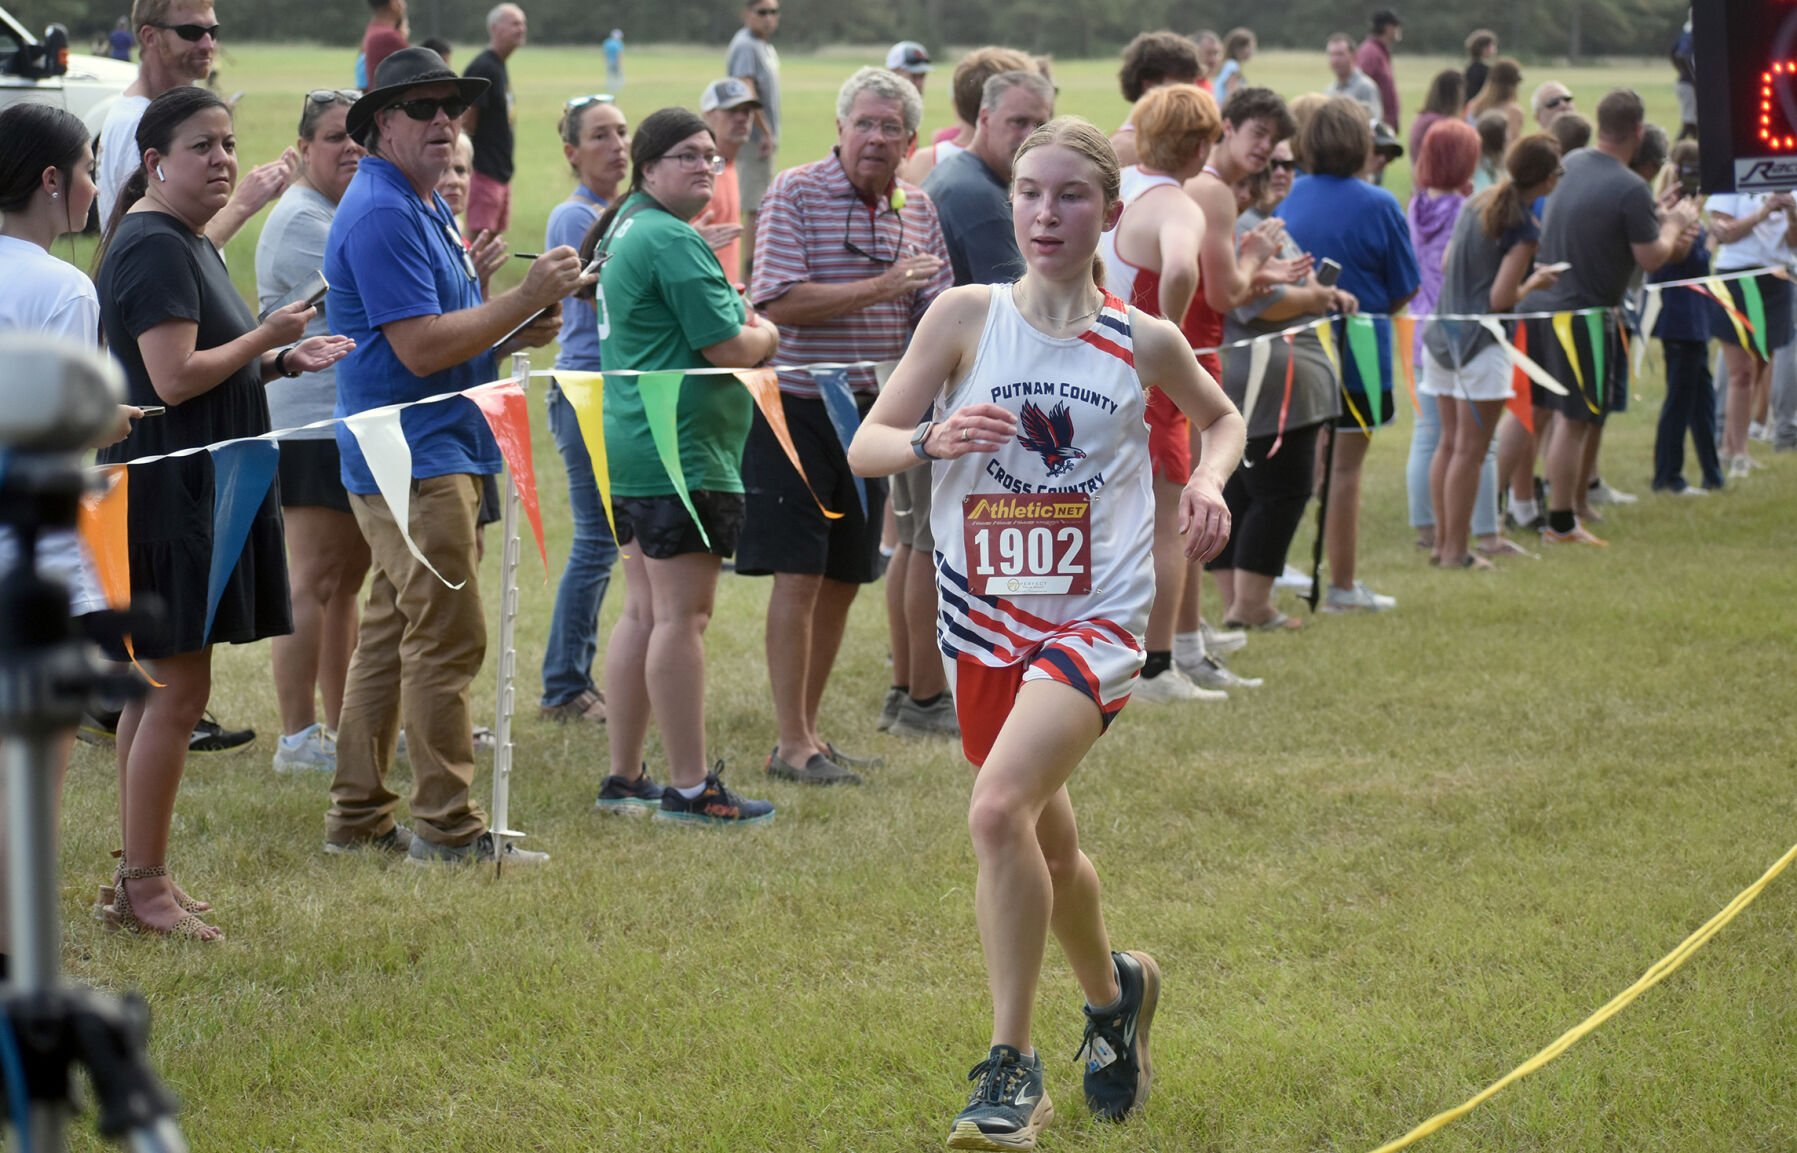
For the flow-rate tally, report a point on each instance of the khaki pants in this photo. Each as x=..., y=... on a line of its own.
x=420, y=646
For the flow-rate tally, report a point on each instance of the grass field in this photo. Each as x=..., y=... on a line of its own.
x=1431, y=843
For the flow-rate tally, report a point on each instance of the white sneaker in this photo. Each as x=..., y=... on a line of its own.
x=1740, y=467
x=1222, y=641
x=1602, y=493
x=1759, y=432
x=311, y=750
x=1210, y=673
x=1293, y=578
x=1358, y=599
x=1172, y=685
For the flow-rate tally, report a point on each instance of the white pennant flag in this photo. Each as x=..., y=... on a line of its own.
x=1650, y=317
x=883, y=371
x=1258, y=354
x=1535, y=372
x=389, y=458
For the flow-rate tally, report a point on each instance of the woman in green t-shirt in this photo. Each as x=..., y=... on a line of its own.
x=664, y=304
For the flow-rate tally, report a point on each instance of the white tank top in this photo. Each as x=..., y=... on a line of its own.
x=946, y=149
x=1081, y=414
x=1120, y=276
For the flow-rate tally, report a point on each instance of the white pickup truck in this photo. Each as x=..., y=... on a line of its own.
x=45, y=71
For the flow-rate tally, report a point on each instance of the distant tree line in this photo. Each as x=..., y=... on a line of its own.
x=1073, y=28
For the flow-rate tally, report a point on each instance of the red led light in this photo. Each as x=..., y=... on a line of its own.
x=1781, y=73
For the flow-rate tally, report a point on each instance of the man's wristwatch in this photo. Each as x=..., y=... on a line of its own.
x=917, y=438
x=281, y=364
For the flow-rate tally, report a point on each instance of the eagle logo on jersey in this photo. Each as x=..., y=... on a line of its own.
x=1050, y=436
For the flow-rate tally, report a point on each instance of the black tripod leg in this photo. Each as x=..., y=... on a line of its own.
x=1316, y=549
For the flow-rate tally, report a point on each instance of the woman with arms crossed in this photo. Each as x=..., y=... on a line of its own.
x=1039, y=387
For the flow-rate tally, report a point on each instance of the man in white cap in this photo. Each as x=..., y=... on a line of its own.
x=728, y=106
x=911, y=60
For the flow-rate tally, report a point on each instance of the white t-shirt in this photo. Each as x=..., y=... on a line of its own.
x=40, y=293
x=1764, y=246
x=119, y=157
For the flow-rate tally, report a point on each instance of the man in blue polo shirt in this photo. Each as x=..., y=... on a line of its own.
x=403, y=285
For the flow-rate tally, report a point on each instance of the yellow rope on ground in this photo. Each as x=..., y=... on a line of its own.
x=1666, y=965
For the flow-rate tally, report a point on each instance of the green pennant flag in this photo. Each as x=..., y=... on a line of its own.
x=1594, y=331
x=1756, y=312
x=661, y=408
x=1363, y=343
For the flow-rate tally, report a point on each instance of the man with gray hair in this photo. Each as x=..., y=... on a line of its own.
x=490, y=120
x=847, y=258
x=971, y=189
x=1350, y=81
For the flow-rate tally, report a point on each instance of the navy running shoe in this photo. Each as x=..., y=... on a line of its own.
x=1008, y=1108
x=715, y=805
x=630, y=797
x=1117, y=1074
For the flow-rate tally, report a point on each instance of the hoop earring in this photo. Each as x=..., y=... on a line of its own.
x=160, y=175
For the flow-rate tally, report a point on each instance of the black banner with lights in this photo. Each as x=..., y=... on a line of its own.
x=1747, y=93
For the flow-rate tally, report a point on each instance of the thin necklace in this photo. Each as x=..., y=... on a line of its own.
x=1071, y=319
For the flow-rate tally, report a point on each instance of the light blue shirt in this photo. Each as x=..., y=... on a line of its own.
x=569, y=223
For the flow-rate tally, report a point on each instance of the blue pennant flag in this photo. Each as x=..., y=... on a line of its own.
x=839, y=402
x=241, y=473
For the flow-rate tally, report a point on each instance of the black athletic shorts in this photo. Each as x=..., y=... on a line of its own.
x=664, y=529
x=785, y=531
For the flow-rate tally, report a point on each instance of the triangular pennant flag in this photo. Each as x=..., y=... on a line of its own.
x=1718, y=291
x=383, y=443
x=1650, y=318
x=508, y=415
x=883, y=371
x=1522, y=398
x=1285, y=404
x=1594, y=333
x=242, y=471
x=1523, y=364
x=1259, y=353
x=585, y=393
x=1326, y=337
x=1756, y=312
x=1403, y=347
x=1562, y=323
x=845, y=418
x=104, y=524
x=660, y=392
x=764, y=388
x=1363, y=344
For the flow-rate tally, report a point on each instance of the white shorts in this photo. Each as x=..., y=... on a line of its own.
x=1485, y=377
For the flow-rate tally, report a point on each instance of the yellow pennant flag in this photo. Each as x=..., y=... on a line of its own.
x=1726, y=299
x=1563, y=329
x=585, y=391
x=1326, y=337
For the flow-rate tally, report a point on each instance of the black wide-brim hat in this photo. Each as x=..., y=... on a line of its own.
x=407, y=68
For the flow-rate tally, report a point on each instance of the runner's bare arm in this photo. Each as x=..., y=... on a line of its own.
x=1164, y=361
x=941, y=352
x=1180, y=240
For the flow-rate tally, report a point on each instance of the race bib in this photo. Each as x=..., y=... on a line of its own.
x=1037, y=544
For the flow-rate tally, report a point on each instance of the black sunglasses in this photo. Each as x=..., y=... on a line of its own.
x=191, y=32
x=873, y=227
x=1556, y=102
x=767, y=12
x=425, y=107
x=334, y=95
x=1283, y=165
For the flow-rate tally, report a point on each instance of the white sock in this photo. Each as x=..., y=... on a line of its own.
x=297, y=739
x=1524, y=510
x=1188, y=648
x=692, y=792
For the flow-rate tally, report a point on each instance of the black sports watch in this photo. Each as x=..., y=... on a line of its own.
x=917, y=438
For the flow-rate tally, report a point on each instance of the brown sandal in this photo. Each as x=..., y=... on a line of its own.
x=120, y=915
x=186, y=902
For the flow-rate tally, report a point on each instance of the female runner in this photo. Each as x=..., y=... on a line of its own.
x=1031, y=398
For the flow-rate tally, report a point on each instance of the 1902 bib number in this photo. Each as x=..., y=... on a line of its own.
x=1023, y=545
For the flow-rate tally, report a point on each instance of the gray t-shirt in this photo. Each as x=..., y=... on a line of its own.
x=1316, y=395
x=974, y=208
x=290, y=251
x=1360, y=87
x=755, y=59
x=1473, y=260
x=1599, y=209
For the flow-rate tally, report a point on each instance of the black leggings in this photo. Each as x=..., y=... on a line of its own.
x=1266, y=499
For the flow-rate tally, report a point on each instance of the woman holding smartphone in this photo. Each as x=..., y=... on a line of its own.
x=188, y=341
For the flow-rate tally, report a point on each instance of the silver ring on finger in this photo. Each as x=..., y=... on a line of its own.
x=966, y=434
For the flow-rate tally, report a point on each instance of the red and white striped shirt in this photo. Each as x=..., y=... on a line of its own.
x=815, y=227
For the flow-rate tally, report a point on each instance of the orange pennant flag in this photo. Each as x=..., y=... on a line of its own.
x=1522, y=395
x=507, y=413
x=104, y=525
x=764, y=386
x=1403, y=328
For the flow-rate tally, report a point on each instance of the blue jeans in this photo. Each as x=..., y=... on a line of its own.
x=1688, y=408
x=574, y=628
x=1423, y=440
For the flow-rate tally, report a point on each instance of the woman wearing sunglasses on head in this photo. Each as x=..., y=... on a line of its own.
x=326, y=555
x=188, y=342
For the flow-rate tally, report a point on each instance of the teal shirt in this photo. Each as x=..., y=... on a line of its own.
x=663, y=296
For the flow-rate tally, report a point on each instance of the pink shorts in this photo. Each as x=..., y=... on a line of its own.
x=489, y=205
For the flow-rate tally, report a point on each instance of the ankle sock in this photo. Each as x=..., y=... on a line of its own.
x=1101, y=1010
x=1524, y=510
x=690, y=793
x=926, y=702
x=1159, y=661
x=1561, y=520
x=1189, y=647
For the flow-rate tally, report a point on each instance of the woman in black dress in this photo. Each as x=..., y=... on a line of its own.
x=187, y=341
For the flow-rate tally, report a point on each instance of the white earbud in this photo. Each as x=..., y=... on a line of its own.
x=160, y=175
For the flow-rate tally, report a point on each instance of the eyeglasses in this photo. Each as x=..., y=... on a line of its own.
x=890, y=129
x=1283, y=165
x=583, y=101
x=191, y=32
x=1556, y=102
x=425, y=107
x=334, y=95
x=873, y=228
x=696, y=161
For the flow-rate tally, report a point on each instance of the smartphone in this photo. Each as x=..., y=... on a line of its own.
x=311, y=290
x=1327, y=272
x=152, y=409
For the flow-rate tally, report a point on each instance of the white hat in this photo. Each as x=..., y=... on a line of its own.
x=908, y=56
x=726, y=93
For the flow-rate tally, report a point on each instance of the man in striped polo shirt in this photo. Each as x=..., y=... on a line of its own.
x=847, y=258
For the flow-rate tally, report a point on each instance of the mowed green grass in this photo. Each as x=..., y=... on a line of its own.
x=1431, y=843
